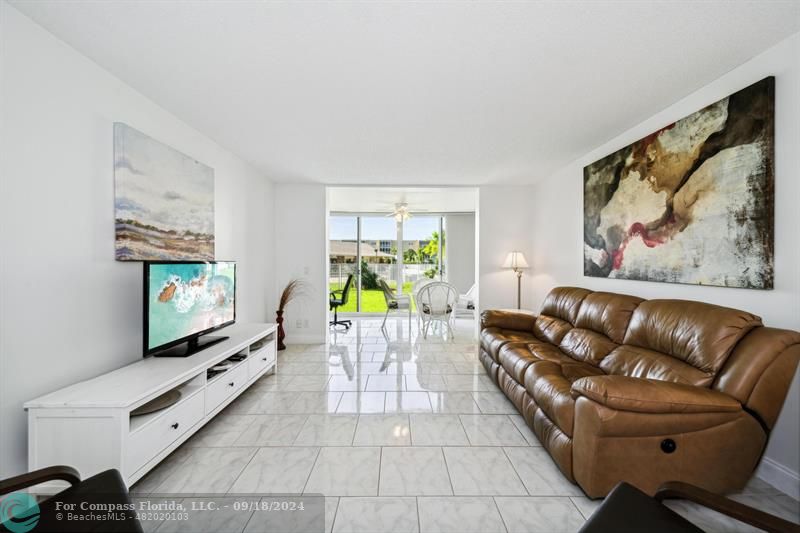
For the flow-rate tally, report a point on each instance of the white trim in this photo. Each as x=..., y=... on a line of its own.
x=779, y=477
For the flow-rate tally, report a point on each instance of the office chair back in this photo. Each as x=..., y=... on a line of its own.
x=346, y=290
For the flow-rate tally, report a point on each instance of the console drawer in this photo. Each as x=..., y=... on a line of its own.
x=148, y=441
x=263, y=358
x=225, y=385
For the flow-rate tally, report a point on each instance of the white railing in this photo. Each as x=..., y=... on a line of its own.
x=412, y=272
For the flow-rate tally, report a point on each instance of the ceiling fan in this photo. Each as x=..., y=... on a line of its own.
x=401, y=212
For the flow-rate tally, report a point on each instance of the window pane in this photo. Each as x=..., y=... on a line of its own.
x=420, y=248
x=378, y=249
x=343, y=236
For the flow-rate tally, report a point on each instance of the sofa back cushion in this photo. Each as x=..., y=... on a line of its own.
x=637, y=362
x=558, y=314
x=698, y=334
x=600, y=326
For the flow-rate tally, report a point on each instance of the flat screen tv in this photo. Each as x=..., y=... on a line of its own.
x=185, y=300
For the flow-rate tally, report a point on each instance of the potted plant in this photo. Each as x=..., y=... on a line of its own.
x=292, y=290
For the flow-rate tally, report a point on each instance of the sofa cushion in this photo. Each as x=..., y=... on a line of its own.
x=587, y=345
x=638, y=362
x=550, y=383
x=700, y=334
x=515, y=358
x=492, y=339
x=608, y=314
x=559, y=312
x=564, y=303
x=547, y=352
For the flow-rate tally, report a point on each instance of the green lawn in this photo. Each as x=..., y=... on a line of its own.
x=372, y=301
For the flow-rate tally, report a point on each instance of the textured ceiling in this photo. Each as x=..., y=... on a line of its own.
x=411, y=93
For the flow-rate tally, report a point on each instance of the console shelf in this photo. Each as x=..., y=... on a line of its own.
x=89, y=425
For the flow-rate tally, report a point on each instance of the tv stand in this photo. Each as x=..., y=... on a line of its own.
x=91, y=426
x=190, y=347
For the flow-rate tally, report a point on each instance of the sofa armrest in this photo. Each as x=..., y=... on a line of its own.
x=652, y=396
x=515, y=319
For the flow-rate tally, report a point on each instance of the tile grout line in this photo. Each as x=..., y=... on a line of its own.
x=311, y=470
x=255, y=452
x=575, y=505
x=514, y=468
x=380, y=466
x=335, y=512
x=503, y=520
x=447, y=468
x=519, y=431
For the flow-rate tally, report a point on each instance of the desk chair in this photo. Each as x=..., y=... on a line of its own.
x=337, y=301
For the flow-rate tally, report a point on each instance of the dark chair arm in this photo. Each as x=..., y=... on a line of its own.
x=51, y=473
x=732, y=508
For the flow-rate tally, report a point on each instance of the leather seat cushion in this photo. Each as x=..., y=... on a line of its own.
x=549, y=383
x=492, y=339
x=547, y=352
x=515, y=358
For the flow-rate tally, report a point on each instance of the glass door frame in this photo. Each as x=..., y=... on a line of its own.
x=359, y=216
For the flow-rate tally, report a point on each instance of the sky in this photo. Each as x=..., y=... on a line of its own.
x=160, y=186
x=382, y=228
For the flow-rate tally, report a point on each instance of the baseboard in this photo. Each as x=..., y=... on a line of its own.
x=292, y=338
x=779, y=477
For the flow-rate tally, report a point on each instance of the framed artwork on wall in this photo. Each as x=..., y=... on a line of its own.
x=164, y=201
x=690, y=203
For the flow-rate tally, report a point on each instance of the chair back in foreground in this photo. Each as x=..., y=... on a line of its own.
x=436, y=302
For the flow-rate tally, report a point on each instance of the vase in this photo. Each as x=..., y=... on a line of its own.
x=281, y=333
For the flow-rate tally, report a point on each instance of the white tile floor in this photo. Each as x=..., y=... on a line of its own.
x=399, y=434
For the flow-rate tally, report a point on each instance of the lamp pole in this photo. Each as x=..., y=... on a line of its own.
x=516, y=262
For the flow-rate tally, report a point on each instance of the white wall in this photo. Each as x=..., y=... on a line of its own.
x=460, y=250
x=301, y=237
x=68, y=311
x=557, y=230
x=504, y=224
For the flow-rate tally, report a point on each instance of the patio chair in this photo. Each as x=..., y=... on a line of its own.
x=394, y=301
x=415, y=287
x=338, y=301
x=435, y=303
x=466, y=302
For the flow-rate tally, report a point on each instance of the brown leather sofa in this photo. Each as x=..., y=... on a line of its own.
x=618, y=388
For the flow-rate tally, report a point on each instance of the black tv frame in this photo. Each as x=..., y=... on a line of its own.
x=193, y=342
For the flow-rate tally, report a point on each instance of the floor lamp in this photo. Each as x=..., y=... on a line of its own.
x=516, y=262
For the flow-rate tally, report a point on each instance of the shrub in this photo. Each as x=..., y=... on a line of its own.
x=369, y=279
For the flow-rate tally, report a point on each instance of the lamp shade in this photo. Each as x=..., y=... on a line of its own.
x=515, y=260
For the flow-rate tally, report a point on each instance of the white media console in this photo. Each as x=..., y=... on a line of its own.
x=89, y=426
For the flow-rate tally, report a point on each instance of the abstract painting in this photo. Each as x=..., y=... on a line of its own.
x=164, y=201
x=690, y=203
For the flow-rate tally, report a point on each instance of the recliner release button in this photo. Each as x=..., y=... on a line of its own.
x=668, y=446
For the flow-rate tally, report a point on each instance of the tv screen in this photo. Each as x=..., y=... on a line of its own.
x=186, y=299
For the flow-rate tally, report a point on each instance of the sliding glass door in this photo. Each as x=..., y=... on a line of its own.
x=377, y=247
x=343, y=258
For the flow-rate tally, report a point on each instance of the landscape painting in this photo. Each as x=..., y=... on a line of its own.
x=164, y=201
x=690, y=203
